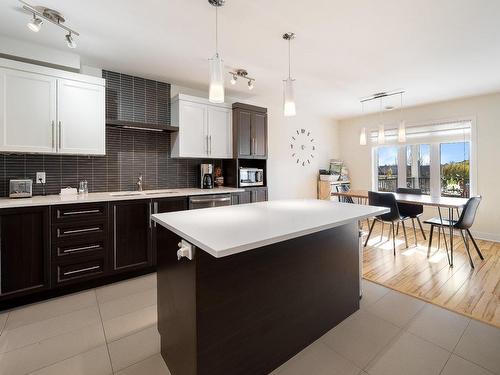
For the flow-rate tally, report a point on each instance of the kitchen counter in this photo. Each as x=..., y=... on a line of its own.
x=50, y=200
x=281, y=273
x=230, y=230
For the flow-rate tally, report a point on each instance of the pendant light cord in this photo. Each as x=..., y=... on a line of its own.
x=289, y=58
x=217, y=31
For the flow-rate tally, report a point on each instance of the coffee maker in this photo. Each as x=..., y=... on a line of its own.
x=207, y=177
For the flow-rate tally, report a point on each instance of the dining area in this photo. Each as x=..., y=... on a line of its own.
x=425, y=247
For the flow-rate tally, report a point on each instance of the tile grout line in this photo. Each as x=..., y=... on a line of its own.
x=453, y=350
x=104, y=332
x=5, y=323
x=133, y=364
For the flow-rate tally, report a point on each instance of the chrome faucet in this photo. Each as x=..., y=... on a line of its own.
x=139, y=183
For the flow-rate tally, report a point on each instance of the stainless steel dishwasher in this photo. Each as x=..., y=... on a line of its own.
x=206, y=201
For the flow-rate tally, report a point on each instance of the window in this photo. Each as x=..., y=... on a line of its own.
x=436, y=159
x=418, y=167
x=455, y=174
x=387, y=163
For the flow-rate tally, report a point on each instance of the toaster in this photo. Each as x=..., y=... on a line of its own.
x=21, y=188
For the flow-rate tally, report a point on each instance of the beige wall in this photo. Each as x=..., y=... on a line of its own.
x=486, y=111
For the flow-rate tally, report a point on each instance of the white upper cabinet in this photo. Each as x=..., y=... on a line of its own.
x=205, y=129
x=45, y=110
x=81, y=118
x=27, y=112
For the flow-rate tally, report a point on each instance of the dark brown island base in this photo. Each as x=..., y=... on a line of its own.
x=246, y=306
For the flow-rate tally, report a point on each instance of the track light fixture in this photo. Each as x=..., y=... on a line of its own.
x=41, y=13
x=35, y=24
x=242, y=73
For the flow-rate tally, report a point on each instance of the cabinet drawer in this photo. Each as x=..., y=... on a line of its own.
x=78, y=231
x=85, y=269
x=79, y=212
x=69, y=249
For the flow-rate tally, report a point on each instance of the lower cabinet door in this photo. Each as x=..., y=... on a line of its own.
x=24, y=251
x=242, y=197
x=81, y=270
x=131, y=241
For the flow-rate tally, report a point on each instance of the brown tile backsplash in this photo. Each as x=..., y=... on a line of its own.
x=129, y=152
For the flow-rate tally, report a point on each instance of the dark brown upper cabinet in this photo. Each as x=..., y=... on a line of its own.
x=137, y=102
x=24, y=251
x=249, y=131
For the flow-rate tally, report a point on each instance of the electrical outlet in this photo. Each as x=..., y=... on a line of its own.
x=40, y=177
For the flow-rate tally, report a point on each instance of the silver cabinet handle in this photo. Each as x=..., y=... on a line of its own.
x=72, y=250
x=81, y=270
x=210, y=200
x=155, y=210
x=60, y=132
x=81, y=212
x=80, y=230
x=150, y=221
x=210, y=143
x=53, y=135
x=208, y=152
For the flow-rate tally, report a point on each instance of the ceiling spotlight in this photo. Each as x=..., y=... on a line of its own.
x=233, y=80
x=250, y=85
x=35, y=24
x=70, y=41
x=243, y=74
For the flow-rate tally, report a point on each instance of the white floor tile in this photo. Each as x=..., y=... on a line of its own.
x=93, y=362
x=51, y=351
x=128, y=304
x=152, y=366
x=396, y=308
x=372, y=293
x=409, y=355
x=317, y=359
x=361, y=337
x=439, y=326
x=125, y=288
x=51, y=308
x=134, y=348
x=3, y=320
x=128, y=324
x=480, y=344
x=460, y=366
x=35, y=332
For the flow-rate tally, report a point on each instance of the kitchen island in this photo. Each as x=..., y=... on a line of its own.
x=260, y=283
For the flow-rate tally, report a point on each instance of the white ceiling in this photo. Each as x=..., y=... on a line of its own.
x=435, y=50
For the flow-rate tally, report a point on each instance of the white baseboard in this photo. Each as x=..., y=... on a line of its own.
x=486, y=236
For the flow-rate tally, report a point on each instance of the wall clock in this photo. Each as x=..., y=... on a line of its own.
x=303, y=147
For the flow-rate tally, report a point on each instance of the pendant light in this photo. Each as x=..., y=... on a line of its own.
x=381, y=129
x=216, y=88
x=288, y=91
x=362, y=135
x=402, y=126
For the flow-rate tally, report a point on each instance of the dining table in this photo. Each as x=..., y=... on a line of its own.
x=452, y=204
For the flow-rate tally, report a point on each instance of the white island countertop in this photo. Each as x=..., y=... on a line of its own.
x=50, y=200
x=223, y=231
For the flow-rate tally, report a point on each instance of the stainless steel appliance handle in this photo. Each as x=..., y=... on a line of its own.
x=225, y=199
x=81, y=270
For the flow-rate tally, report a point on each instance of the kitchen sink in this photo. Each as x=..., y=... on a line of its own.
x=126, y=193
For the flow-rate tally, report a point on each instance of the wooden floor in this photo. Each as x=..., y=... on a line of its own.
x=471, y=292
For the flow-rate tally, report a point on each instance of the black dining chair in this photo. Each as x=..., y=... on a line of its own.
x=345, y=188
x=463, y=224
x=394, y=216
x=413, y=211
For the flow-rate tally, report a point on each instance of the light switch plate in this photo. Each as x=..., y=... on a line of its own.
x=40, y=177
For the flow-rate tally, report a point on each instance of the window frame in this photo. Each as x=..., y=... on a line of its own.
x=435, y=159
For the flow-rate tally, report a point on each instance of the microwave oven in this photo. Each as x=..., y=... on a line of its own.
x=251, y=177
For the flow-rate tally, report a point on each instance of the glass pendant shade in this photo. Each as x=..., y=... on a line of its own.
x=381, y=135
x=402, y=132
x=362, y=137
x=216, y=90
x=288, y=98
